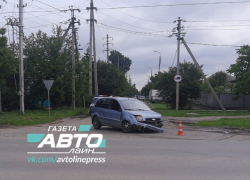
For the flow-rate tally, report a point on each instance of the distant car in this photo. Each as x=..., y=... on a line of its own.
x=141, y=98
x=126, y=113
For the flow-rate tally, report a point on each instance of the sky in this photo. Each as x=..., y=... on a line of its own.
x=214, y=29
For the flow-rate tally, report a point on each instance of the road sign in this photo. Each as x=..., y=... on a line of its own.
x=177, y=78
x=48, y=84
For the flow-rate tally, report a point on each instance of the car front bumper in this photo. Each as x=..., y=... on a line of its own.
x=142, y=126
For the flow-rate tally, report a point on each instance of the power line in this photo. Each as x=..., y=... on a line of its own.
x=130, y=31
x=48, y=5
x=174, y=58
x=135, y=16
x=220, y=29
x=232, y=20
x=170, y=5
x=133, y=25
x=212, y=44
x=221, y=26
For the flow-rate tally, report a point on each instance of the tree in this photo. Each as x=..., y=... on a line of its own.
x=47, y=57
x=241, y=70
x=112, y=81
x=219, y=82
x=8, y=64
x=124, y=62
x=145, y=89
x=190, y=86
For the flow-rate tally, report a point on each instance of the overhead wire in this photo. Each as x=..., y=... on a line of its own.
x=132, y=32
x=133, y=25
x=170, y=5
x=174, y=58
x=135, y=16
x=212, y=44
x=99, y=12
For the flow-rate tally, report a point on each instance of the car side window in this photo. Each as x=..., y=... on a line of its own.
x=115, y=105
x=105, y=103
x=99, y=103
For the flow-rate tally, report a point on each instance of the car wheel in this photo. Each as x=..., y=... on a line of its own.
x=126, y=127
x=96, y=123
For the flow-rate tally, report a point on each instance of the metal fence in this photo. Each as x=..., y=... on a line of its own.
x=230, y=101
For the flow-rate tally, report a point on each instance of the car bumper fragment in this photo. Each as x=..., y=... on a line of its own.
x=141, y=126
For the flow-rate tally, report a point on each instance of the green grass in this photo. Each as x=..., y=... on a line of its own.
x=162, y=109
x=37, y=116
x=226, y=122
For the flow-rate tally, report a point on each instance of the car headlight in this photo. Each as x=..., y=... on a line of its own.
x=139, y=118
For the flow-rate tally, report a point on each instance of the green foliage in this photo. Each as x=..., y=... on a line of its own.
x=219, y=82
x=2, y=31
x=190, y=86
x=49, y=58
x=8, y=65
x=145, y=89
x=124, y=62
x=226, y=122
x=113, y=82
x=241, y=70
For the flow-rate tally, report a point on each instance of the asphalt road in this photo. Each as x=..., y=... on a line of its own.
x=198, y=155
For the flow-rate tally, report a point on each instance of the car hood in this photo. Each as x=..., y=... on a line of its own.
x=146, y=114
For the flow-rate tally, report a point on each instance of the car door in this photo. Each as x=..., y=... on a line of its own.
x=115, y=113
x=102, y=108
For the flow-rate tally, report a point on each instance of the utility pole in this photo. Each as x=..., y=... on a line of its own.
x=159, y=60
x=204, y=77
x=73, y=51
x=21, y=74
x=151, y=71
x=92, y=49
x=107, y=43
x=179, y=28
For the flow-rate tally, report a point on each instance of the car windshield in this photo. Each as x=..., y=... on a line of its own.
x=94, y=100
x=134, y=105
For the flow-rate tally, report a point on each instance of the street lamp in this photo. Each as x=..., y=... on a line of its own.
x=151, y=71
x=159, y=60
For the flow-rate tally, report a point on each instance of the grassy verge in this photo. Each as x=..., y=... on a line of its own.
x=162, y=109
x=226, y=122
x=37, y=116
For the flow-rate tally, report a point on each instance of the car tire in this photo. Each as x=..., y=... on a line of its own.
x=96, y=123
x=127, y=127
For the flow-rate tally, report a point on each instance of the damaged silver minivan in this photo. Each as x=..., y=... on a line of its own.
x=129, y=114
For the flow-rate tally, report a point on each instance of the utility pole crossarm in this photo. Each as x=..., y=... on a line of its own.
x=204, y=77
